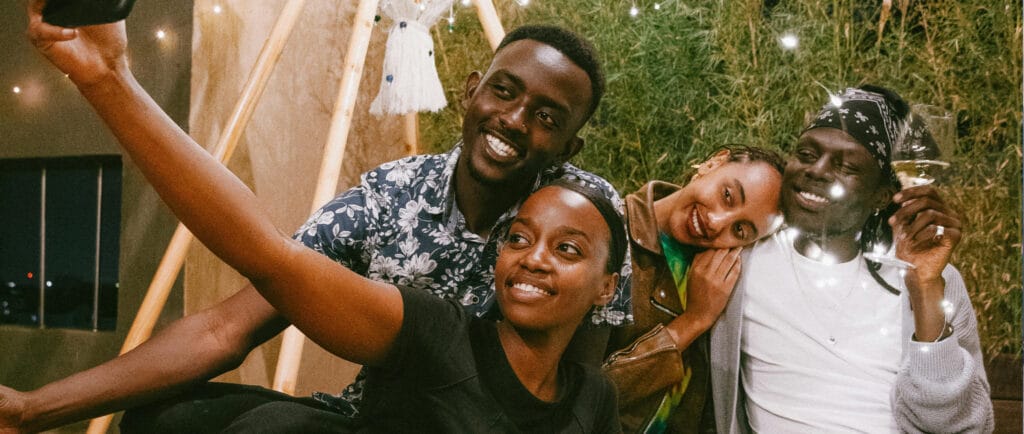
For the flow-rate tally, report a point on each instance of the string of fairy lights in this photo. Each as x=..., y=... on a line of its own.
x=29, y=88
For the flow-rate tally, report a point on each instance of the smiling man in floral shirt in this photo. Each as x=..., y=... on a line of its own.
x=433, y=221
x=430, y=222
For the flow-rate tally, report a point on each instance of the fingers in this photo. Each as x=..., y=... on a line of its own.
x=41, y=33
x=722, y=263
x=921, y=207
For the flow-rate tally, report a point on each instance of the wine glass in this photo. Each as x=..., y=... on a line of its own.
x=925, y=138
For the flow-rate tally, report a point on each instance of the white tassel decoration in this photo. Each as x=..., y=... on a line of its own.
x=409, y=82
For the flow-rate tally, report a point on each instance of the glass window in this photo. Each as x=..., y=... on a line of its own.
x=59, y=250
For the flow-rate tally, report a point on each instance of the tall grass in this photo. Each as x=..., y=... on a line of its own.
x=699, y=73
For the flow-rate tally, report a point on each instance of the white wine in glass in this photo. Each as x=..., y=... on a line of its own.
x=927, y=136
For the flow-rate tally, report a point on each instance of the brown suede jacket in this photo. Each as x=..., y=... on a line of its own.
x=642, y=359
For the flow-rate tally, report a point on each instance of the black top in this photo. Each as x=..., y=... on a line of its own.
x=448, y=372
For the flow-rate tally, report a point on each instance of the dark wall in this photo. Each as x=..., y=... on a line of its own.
x=49, y=118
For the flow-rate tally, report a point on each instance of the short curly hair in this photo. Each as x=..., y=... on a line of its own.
x=572, y=45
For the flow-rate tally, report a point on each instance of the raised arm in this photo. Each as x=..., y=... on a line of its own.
x=345, y=313
x=941, y=384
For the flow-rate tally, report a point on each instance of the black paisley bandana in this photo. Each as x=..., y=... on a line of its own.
x=868, y=118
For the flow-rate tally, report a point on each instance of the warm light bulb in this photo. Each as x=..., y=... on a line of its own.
x=466, y=2
x=633, y=11
x=835, y=100
x=451, y=20
x=789, y=41
x=836, y=191
x=217, y=9
x=160, y=34
x=523, y=2
x=17, y=89
x=657, y=6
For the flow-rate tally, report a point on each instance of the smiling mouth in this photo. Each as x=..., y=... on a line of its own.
x=812, y=198
x=531, y=289
x=698, y=229
x=501, y=148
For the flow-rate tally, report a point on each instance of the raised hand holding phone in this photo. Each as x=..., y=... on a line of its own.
x=77, y=13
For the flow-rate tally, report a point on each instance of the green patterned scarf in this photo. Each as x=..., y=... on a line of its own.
x=679, y=256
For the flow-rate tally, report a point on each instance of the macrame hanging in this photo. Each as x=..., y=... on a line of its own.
x=409, y=82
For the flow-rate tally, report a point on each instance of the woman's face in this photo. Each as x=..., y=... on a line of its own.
x=731, y=204
x=552, y=267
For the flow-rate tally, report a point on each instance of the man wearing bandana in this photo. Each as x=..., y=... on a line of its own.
x=816, y=338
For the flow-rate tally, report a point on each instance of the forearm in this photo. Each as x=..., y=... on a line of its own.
x=926, y=300
x=942, y=386
x=186, y=352
x=220, y=210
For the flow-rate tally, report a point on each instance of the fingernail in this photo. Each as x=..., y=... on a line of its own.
x=898, y=197
x=67, y=33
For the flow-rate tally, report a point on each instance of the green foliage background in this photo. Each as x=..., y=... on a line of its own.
x=692, y=75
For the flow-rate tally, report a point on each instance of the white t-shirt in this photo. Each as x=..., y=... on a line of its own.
x=820, y=343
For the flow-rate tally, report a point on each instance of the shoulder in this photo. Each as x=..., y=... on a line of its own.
x=402, y=173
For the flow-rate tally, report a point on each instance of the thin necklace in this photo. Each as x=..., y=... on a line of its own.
x=834, y=303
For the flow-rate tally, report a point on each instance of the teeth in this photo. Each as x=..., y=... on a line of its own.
x=500, y=147
x=696, y=223
x=530, y=288
x=813, y=197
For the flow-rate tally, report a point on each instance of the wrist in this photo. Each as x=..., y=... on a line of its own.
x=685, y=328
x=115, y=76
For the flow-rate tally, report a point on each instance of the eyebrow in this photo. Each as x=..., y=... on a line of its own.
x=544, y=99
x=739, y=187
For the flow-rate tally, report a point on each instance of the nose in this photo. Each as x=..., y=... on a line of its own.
x=820, y=168
x=536, y=259
x=514, y=118
x=719, y=220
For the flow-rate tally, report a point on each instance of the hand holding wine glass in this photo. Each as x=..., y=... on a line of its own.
x=926, y=138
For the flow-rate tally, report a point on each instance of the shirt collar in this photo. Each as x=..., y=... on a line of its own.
x=449, y=211
x=643, y=226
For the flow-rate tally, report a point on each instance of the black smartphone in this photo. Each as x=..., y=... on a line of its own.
x=76, y=13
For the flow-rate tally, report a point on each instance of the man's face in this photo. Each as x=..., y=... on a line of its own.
x=523, y=114
x=831, y=184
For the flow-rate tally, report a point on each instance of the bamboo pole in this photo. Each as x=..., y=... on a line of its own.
x=490, y=22
x=174, y=257
x=291, y=346
x=330, y=169
x=411, y=130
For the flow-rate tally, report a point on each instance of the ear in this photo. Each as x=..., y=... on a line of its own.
x=716, y=161
x=571, y=149
x=608, y=286
x=472, y=81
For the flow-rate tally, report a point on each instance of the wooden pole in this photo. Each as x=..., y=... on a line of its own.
x=330, y=169
x=411, y=129
x=490, y=22
x=174, y=257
